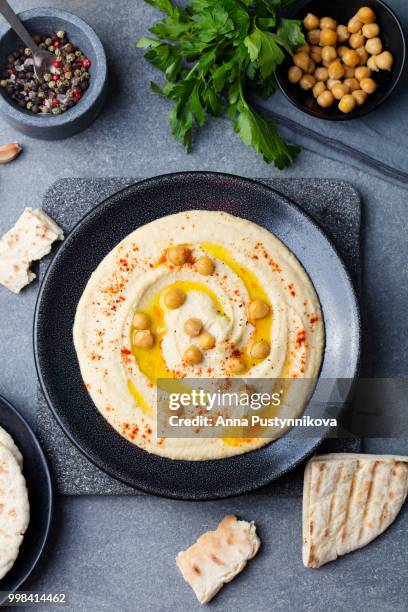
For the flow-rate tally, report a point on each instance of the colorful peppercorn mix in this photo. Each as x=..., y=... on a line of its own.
x=58, y=90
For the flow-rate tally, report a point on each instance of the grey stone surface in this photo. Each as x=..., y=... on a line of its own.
x=334, y=204
x=130, y=564
x=117, y=553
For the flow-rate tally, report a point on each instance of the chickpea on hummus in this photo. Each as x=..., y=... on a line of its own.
x=197, y=294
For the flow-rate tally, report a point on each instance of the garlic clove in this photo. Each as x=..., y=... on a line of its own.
x=8, y=152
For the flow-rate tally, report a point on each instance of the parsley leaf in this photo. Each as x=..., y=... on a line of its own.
x=213, y=54
x=165, y=6
x=261, y=134
x=290, y=34
x=264, y=51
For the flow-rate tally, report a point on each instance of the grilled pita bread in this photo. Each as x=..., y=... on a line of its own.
x=14, y=510
x=218, y=556
x=7, y=441
x=349, y=500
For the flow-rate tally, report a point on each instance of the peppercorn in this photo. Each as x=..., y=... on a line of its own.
x=60, y=89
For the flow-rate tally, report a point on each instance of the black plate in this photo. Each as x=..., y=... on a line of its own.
x=392, y=36
x=37, y=475
x=80, y=254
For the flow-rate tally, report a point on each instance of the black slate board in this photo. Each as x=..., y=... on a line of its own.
x=334, y=204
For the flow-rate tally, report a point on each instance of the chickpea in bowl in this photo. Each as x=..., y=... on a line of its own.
x=353, y=52
x=350, y=61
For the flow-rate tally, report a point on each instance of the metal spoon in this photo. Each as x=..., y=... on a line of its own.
x=43, y=60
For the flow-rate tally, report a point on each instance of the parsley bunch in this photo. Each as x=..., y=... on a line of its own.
x=214, y=53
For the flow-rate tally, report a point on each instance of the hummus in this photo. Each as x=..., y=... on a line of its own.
x=228, y=265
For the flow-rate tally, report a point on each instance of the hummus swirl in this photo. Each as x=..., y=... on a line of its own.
x=250, y=264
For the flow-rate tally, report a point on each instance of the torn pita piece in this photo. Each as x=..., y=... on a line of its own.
x=29, y=240
x=349, y=500
x=15, y=274
x=218, y=556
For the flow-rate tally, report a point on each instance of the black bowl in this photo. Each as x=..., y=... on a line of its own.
x=392, y=36
x=82, y=251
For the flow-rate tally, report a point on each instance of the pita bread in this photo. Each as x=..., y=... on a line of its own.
x=30, y=239
x=349, y=500
x=7, y=441
x=14, y=510
x=218, y=556
x=15, y=274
